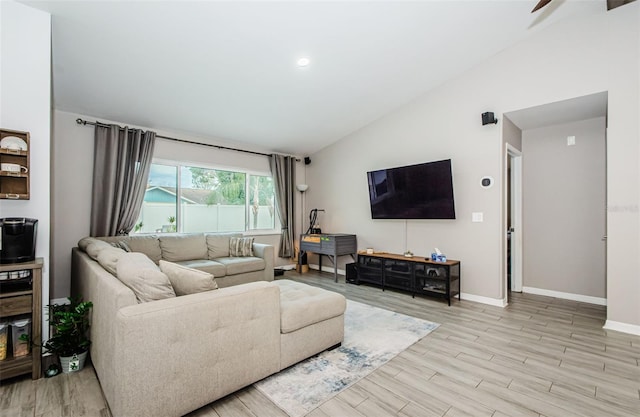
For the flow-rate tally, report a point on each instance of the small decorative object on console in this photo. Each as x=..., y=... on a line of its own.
x=438, y=256
x=408, y=254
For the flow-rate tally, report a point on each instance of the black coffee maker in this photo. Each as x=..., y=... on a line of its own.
x=17, y=240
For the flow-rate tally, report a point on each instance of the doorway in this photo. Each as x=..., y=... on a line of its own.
x=514, y=219
x=565, y=226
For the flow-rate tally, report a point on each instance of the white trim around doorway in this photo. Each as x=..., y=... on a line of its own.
x=516, y=216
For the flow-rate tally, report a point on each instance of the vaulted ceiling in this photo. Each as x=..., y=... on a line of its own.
x=226, y=71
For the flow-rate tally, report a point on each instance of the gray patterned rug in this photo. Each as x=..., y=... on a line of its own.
x=373, y=336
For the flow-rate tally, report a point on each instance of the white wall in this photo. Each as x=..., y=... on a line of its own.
x=571, y=59
x=72, y=171
x=25, y=105
x=623, y=168
x=72, y=181
x=511, y=133
x=564, y=193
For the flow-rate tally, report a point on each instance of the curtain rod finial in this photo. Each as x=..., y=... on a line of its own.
x=80, y=121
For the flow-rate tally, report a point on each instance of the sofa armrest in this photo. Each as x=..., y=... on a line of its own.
x=182, y=353
x=265, y=252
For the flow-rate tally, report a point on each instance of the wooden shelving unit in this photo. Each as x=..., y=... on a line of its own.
x=15, y=185
x=24, y=299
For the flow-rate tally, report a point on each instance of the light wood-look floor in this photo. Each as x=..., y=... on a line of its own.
x=540, y=356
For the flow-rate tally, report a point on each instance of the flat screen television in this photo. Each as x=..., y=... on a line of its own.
x=421, y=191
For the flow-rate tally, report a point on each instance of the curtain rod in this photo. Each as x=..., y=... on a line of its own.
x=98, y=123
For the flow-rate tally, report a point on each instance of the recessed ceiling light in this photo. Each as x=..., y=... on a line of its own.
x=303, y=62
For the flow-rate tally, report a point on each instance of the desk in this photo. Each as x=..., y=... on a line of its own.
x=331, y=245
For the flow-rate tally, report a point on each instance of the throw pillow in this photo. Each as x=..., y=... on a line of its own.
x=108, y=258
x=86, y=241
x=94, y=248
x=187, y=280
x=241, y=246
x=218, y=244
x=143, y=277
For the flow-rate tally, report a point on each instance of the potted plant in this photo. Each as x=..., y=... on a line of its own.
x=169, y=228
x=69, y=340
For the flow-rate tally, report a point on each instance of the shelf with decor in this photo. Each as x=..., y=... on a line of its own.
x=414, y=274
x=20, y=301
x=14, y=165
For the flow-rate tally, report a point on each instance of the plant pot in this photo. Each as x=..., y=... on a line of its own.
x=73, y=363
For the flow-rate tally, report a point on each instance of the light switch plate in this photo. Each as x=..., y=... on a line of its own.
x=477, y=217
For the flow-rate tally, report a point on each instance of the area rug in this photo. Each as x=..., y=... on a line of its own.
x=372, y=337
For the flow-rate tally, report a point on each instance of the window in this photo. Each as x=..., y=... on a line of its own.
x=262, y=201
x=211, y=200
x=159, y=208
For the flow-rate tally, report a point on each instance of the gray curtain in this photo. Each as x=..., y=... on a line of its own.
x=121, y=162
x=283, y=169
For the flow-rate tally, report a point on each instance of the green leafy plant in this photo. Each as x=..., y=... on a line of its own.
x=70, y=324
x=172, y=226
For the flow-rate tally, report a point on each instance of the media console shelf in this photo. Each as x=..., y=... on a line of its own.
x=416, y=274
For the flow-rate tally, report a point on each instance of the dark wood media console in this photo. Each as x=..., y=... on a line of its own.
x=415, y=274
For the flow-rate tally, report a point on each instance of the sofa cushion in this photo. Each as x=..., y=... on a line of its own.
x=94, y=248
x=108, y=258
x=213, y=267
x=177, y=248
x=186, y=280
x=242, y=265
x=302, y=305
x=218, y=244
x=148, y=245
x=86, y=241
x=241, y=246
x=143, y=277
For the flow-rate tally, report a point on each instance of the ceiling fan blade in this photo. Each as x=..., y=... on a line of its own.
x=612, y=4
x=540, y=5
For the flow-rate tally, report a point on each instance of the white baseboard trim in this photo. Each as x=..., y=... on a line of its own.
x=566, y=295
x=622, y=327
x=498, y=302
x=59, y=301
x=326, y=269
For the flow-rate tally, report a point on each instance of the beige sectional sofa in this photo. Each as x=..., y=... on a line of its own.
x=209, y=252
x=171, y=356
